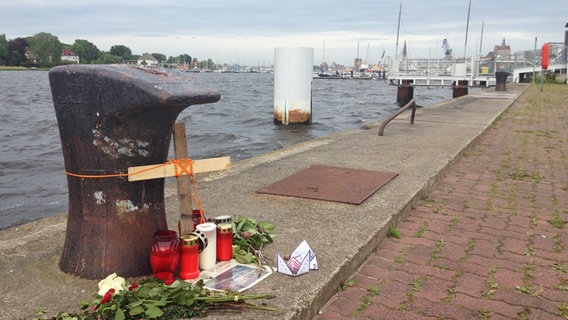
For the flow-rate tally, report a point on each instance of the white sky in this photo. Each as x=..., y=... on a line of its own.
x=247, y=31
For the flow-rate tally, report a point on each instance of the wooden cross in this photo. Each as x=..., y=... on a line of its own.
x=183, y=181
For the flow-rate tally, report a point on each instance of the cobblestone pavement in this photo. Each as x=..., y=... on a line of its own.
x=490, y=240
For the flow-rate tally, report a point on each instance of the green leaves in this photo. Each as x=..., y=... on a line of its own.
x=249, y=237
x=152, y=299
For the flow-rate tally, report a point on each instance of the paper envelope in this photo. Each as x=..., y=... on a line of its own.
x=302, y=260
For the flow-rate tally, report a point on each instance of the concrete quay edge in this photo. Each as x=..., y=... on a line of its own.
x=342, y=235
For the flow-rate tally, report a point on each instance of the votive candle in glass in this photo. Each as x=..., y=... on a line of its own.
x=224, y=241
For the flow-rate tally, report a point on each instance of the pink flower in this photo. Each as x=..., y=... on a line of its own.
x=246, y=235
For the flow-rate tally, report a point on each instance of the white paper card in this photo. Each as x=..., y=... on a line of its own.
x=302, y=260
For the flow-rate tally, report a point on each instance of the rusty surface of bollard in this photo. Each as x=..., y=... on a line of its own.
x=460, y=89
x=405, y=92
x=112, y=117
x=501, y=80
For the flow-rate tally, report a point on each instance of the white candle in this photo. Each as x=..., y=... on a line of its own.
x=208, y=257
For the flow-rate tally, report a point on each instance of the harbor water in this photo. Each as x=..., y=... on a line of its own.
x=32, y=179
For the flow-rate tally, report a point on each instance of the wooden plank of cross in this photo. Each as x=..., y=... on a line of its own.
x=184, y=169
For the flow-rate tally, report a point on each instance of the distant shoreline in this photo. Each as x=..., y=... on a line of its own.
x=8, y=68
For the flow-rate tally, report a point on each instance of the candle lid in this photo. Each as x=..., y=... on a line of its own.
x=225, y=228
x=222, y=219
x=202, y=239
x=189, y=240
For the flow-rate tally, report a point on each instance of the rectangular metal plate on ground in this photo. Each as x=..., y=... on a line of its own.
x=320, y=182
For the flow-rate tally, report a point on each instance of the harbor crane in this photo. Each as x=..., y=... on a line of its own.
x=447, y=49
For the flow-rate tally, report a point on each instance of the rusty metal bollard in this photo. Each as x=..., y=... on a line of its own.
x=405, y=92
x=112, y=117
x=460, y=89
x=501, y=80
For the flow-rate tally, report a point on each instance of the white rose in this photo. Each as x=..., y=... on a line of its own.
x=112, y=282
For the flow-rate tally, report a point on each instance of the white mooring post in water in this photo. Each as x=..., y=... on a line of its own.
x=293, y=77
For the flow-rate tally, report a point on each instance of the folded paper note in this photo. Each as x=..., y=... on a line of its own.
x=302, y=260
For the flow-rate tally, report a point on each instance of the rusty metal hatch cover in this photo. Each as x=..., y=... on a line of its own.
x=331, y=183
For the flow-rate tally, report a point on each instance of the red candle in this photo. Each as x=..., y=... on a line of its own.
x=164, y=257
x=224, y=241
x=189, y=267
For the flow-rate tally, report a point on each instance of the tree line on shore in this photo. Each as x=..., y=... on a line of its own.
x=44, y=50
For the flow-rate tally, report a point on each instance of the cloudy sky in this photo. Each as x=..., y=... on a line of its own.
x=247, y=31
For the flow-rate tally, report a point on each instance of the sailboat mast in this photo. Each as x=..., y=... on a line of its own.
x=481, y=41
x=466, y=31
x=398, y=27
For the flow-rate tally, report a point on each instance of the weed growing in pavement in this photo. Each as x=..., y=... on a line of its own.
x=394, y=232
x=365, y=303
x=562, y=286
x=499, y=250
x=489, y=205
x=563, y=310
x=437, y=249
x=420, y=232
x=524, y=289
x=517, y=174
x=491, y=285
x=557, y=220
x=417, y=283
x=346, y=284
x=554, y=200
x=530, y=251
x=484, y=314
x=560, y=266
x=558, y=247
x=536, y=177
x=534, y=220
x=524, y=315
x=468, y=251
x=528, y=274
x=454, y=222
x=426, y=198
x=374, y=290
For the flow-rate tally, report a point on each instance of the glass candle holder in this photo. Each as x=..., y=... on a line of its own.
x=224, y=241
x=208, y=257
x=189, y=264
x=164, y=257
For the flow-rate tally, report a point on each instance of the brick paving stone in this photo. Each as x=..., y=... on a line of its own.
x=508, y=279
x=485, y=224
x=330, y=315
x=364, y=282
x=394, y=246
x=393, y=294
x=380, y=312
x=485, y=247
x=453, y=251
x=443, y=310
x=433, y=289
x=341, y=306
x=491, y=305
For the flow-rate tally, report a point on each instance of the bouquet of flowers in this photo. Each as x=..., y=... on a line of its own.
x=152, y=299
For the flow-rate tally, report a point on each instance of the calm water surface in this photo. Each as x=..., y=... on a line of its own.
x=240, y=125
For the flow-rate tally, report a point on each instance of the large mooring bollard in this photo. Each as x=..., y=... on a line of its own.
x=405, y=92
x=459, y=89
x=501, y=80
x=112, y=117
